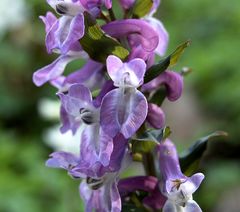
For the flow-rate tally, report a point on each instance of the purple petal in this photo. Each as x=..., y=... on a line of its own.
x=104, y=199
x=131, y=184
x=95, y=147
x=162, y=34
x=108, y=86
x=136, y=114
x=147, y=36
x=138, y=66
x=118, y=158
x=139, y=52
x=123, y=112
x=114, y=65
x=135, y=70
x=173, y=82
x=63, y=160
x=68, y=122
x=78, y=97
x=192, y=206
x=52, y=71
x=170, y=207
x=89, y=146
x=89, y=72
x=93, y=6
x=155, y=200
x=81, y=92
x=109, y=113
x=51, y=26
x=195, y=180
x=108, y=4
x=71, y=8
x=48, y=20
x=58, y=82
x=155, y=6
x=75, y=32
x=105, y=148
x=169, y=163
x=115, y=201
x=156, y=116
x=91, y=198
x=85, y=193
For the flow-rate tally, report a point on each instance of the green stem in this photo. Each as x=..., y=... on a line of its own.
x=105, y=18
x=112, y=15
x=148, y=164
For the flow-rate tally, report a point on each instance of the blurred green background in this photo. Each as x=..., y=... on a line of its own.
x=211, y=101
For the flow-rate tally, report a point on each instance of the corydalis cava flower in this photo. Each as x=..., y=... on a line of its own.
x=124, y=109
x=177, y=187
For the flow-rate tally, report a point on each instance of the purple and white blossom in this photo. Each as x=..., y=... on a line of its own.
x=124, y=109
x=62, y=37
x=177, y=187
x=102, y=194
x=77, y=107
x=99, y=187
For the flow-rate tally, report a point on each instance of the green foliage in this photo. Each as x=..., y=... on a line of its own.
x=149, y=139
x=142, y=8
x=95, y=39
x=190, y=159
x=163, y=64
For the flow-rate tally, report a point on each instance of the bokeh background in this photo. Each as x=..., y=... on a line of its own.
x=211, y=101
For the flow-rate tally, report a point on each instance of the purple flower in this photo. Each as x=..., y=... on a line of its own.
x=177, y=187
x=162, y=34
x=62, y=34
x=155, y=200
x=156, y=116
x=53, y=71
x=173, y=82
x=124, y=109
x=159, y=28
x=99, y=189
x=154, y=23
x=142, y=38
x=77, y=107
x=102, y=194
x=96, y=146
x=96, y=158
x=64, y=160
x=62, y=37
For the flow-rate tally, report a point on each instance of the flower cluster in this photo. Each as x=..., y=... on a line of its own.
x=110, y=101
